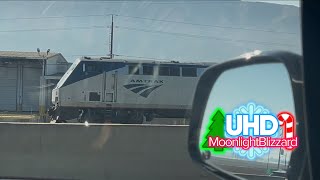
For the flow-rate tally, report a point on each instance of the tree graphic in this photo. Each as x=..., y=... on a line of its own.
x=215, y=128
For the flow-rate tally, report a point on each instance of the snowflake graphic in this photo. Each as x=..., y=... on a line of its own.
x=251, y=109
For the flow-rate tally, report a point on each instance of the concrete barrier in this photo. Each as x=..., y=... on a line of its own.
x=243, y=166
x=96, y=152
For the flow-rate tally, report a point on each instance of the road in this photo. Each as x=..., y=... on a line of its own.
x=243, y=166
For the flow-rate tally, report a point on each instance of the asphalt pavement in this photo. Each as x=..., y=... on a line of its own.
x=243, y=166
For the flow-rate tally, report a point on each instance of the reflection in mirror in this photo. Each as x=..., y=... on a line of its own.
x=239, y=94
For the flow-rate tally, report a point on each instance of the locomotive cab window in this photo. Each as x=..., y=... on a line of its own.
x=189, y=72
x=148, y=70
x=133, y=69
x=164, y=71
x=174, y=71
x=89, y=67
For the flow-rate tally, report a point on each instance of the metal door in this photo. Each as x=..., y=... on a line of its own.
x=31, y=89
x=110, y=86
x=8, y=87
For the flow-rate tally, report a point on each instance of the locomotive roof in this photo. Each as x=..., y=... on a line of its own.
x=104, y=59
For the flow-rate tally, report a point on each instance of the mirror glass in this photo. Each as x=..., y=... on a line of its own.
x=245, y=103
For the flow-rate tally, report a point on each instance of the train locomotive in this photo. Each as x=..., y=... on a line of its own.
x=125, y=91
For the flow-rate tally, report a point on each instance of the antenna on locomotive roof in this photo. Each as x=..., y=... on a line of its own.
x=111, y=38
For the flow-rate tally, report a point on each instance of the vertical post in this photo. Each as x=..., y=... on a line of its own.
x=41, y=99
x=268, y=158
x=111, y=41
x=19, y=94
x=42, y=91
x=279, y=158
x=285, y=160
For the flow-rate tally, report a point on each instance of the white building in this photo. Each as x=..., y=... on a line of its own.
x=21, y=79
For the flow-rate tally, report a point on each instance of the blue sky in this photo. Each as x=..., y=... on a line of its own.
x=214, y=31
x=267, y=84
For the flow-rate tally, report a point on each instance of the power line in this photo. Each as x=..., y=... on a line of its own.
x=143, y=18
x=55, y=17
x=206, y=25
x=205, y=37
x=151, y=19
x=52, y=29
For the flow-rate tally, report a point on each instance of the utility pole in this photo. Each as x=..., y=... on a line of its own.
x=268, y=159
x=279, y=158
x=43, y=83
x=111, y=38
x=285, y=161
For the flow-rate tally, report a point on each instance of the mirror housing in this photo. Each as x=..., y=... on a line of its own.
x=293, y=64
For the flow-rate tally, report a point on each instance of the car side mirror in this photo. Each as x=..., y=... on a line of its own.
x=240, y=108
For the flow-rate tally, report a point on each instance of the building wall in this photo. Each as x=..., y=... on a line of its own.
x=19, y=86
x=20, y=82
x=56, y=65
x=31, y=88
x=8, y=87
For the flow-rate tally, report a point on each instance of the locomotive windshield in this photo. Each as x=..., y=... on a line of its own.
x=67, y=74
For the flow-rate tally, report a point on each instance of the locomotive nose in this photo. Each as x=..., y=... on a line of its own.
x=55, y=96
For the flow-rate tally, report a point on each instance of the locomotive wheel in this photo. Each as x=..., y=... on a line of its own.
x=149, y=117
x=120, y=117
x=114, y=118
x=59, y=120
x=136, y=118
x=125, y=117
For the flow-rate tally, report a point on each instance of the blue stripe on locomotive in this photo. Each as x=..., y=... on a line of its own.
x=77, y=74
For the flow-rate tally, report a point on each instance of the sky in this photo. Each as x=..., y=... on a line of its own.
x=188, y=31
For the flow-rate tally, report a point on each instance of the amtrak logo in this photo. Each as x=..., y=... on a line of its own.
x=143, y=90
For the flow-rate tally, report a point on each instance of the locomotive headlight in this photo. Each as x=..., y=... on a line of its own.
x=55, y=96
